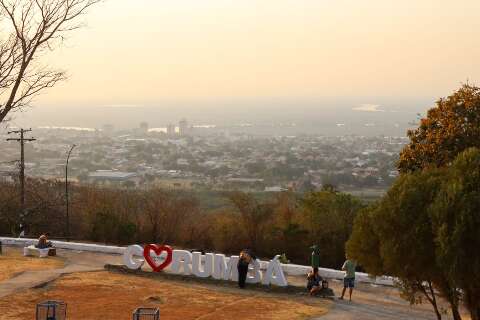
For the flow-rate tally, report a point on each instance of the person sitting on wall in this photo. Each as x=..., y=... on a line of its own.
x=242, y=266
x=43, y=242
x=314, y=282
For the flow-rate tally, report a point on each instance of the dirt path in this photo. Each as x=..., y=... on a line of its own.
x=361, y=310
x=369, y=302
x=75, y=261
x=375, y=302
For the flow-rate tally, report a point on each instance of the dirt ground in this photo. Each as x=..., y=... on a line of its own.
x=12, y=262
x=105, y=295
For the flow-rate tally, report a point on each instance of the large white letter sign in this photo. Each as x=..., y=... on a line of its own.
x=197, y=265
x=130, y=253
x=182, y=259
x=213, y=265
x=219, y=266
x=231, y=273
x=274, y=274
x=257, y=274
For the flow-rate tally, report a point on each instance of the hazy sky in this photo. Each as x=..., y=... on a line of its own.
x=142, y=51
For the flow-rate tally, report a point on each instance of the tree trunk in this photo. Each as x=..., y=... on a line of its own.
x=455, y=312
x=475, y=314
x=437, y=312
x=433, y=300
x=472, y=303
x=452, y=296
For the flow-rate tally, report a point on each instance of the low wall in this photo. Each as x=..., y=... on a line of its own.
x=289, y=269
x=66, y=245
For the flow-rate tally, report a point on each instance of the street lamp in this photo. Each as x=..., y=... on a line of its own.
x=66, y=193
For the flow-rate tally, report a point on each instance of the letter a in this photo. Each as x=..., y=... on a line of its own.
x=274, y=274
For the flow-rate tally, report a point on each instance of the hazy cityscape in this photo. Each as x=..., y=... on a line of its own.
x=186, y=156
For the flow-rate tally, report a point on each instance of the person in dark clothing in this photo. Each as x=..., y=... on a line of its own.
x=242, y=267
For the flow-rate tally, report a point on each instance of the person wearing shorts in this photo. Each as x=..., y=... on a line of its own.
x=349, y=279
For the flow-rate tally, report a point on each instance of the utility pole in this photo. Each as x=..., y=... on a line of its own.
x=66, y=193
x=22, y=140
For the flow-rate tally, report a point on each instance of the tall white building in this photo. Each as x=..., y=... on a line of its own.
x=183, y=127
x=144, y=127
x=170, y=129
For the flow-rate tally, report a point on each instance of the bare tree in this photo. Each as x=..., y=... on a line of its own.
x=28, y=30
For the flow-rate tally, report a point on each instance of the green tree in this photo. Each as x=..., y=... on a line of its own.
x=328, y=216
x=449, y=128
x=384, y=235
x=456, y=220
x=425, y=233
x=364, y=243
x=287, y=235
x=255, y=216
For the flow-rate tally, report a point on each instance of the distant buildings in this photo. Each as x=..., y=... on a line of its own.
x=209, y=160
x=108, y=128
x=113, y=177
x=183, y=128
x=171, y=130
x=144, y=127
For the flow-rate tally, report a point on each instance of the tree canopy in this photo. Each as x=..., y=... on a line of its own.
x=456, y=221
x=425, y=233
x=449, y=128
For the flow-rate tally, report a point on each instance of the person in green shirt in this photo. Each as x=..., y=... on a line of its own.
x=349, y=279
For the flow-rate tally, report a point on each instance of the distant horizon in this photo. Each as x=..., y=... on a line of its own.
x=371, y=117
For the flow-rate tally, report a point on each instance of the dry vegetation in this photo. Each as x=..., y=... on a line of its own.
x=13, y=262
x=278, y=223
x=103, y=295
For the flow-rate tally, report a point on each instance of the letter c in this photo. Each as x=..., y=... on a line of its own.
x=129, y=257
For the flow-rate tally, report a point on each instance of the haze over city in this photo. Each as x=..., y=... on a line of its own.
x=227, y=62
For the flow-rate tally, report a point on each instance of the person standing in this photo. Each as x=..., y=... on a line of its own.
x=349, y=279
x=242, y=267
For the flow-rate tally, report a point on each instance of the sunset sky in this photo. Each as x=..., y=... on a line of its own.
x=143, y=51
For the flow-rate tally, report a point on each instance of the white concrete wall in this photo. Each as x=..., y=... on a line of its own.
x=289, y=269
x=66, y=245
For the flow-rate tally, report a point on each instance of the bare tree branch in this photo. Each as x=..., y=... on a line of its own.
x=35, y=27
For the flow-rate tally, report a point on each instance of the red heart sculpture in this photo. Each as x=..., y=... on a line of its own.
x=158, y=250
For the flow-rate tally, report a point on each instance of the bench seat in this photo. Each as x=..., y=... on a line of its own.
x=42, y=253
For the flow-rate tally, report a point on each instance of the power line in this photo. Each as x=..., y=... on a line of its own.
x=22, y=140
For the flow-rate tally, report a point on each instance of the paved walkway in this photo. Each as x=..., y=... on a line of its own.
x=369, y=302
